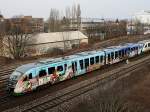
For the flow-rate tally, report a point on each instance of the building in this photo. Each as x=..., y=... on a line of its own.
x=98, y=28
x=142, y=16
x=43, y=43
x=27, y=23
x=84, y=24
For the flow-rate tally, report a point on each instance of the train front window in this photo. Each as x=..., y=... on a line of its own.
x=146, y=46
x=15, y=75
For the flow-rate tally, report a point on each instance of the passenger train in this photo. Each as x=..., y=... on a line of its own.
x=30, y=76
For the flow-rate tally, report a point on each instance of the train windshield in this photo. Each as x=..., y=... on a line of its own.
x=15, y=75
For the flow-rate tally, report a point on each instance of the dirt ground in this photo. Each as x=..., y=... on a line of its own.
x=138, y=89
x=140, y=93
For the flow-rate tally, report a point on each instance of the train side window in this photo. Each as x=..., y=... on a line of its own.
x=123, y=53
x=42, y=73
x=60, y=68
x=81, y=64
x=76, y=66
x=128, y=49
x=136, y=48
x=51, y=70
x=65, y=66
x=119, y=53
x=92, y=61
x=148, y=44
x=116, y=54
x=86, y=62
x=112, y=55
x=30, y=76
x=97, y=59
x=108, y=57
x=145, y=45
x=101, y=59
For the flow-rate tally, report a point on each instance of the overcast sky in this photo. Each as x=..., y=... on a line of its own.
x=90, y=8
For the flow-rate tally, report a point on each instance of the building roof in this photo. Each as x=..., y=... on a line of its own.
x=57, y=36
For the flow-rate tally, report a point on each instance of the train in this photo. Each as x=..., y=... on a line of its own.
x=29, y=77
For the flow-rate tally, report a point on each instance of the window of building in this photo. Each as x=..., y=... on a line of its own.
x=60, y=68
x=51, y=70
x=92, y=61
x=30, y=76
x=81, y=64
x=97, y=59
x=42, y=73
x=86, y=62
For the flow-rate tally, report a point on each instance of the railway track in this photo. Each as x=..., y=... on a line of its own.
x=50, y=101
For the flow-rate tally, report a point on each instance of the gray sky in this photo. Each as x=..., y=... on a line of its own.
x=90, y=8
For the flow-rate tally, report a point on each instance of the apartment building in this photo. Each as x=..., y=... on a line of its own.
x=27, y=23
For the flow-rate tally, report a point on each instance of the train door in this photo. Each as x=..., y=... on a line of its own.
x=112, y=57
x=74, y=67
x=102, y=60
x=86, y=62
x=82, y=67
x=42, y=76
x=33, y=79
x=108, y=58
x=30, y=81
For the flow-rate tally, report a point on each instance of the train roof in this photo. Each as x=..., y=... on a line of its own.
x=86, y=53
x=144, y=41
x=114, y=48
x=26, y=67
x=42, y=62
x=132, y=44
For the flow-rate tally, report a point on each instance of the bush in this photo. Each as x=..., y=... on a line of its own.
x=55, y=51
x=107, y=101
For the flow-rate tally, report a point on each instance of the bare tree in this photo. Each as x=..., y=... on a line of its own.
x=16, y=41
x=139, y=27
x=54, y=20
x=2, y=34
x=78, y=13
x=74, y=10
